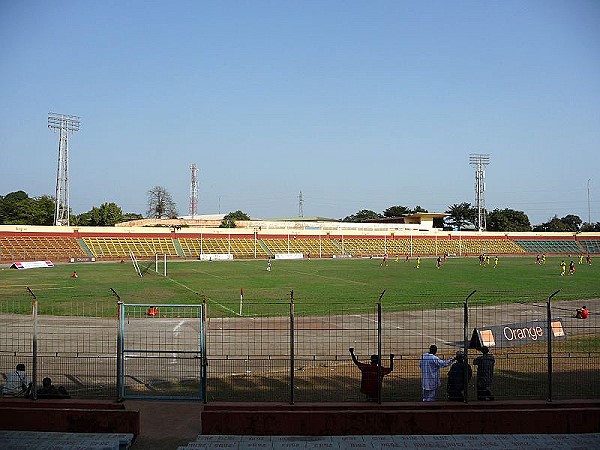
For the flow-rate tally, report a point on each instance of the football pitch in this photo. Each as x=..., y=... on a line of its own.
x=318, y=286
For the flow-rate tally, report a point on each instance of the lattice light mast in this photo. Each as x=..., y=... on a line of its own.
x=193, y=211
x=65, y=125
x=480, y=161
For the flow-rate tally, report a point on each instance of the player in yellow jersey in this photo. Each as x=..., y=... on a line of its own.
x=418, y=262
x=563, y=268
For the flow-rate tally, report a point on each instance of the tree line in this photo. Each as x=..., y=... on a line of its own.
x=463, y=216
x=17, y=208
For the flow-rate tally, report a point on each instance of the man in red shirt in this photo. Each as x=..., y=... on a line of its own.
x=369, y=383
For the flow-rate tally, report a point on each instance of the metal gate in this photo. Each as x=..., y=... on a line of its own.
x=161, y=351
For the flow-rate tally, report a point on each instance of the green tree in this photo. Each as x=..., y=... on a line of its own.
x=461, y=215
x=396, y=211
x=229, y=219
x=127, y=217
x=110, y=214
x=107, y=215
x=17, y=208
x=590, y=226
x=363, y=215
x=568, y=223
x=42, y=211
x=399, y=211
x=508, y=220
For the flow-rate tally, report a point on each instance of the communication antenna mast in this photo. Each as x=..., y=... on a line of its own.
x=65, y=125
x=480, y=161
x=589, y=204
x=194, y=192
x=300, y=205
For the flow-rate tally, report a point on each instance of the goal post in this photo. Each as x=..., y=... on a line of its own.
x=156, y=261
x=136, y=266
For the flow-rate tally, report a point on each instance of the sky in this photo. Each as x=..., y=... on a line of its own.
x=355, y=104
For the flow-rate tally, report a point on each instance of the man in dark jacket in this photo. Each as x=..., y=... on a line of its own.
x=485, y=374
x=458, y=378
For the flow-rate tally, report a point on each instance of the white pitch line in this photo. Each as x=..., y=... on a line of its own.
x=176, y=333
x=191, y=290
x=178, y=326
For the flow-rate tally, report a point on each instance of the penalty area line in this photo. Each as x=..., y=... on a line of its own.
x=197, y=293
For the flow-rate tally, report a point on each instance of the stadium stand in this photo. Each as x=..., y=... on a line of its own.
x=239, y=246
x=489, y=246
x=113, y=243
x=325, y=248
x=18, y=247
x=590, y=246
x=120, y=247
x=550, y=246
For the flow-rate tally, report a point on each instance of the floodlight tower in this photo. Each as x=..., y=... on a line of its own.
x=480, y=162
x=194, y=191
x=65, y=125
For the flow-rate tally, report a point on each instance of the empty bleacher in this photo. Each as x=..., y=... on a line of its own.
x=18, y=247
x=240, y=247
x=24, y=246
x=550, y=246
x=121, y=247
x=590, y=245
x=316, y=248
x=489, y=246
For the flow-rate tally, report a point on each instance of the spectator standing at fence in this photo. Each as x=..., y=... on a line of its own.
x=17, y=382
x=459, y=376
x=485, y=374
x=430, y=373
x=369, y=383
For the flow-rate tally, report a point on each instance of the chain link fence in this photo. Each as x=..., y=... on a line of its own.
x=541, y=351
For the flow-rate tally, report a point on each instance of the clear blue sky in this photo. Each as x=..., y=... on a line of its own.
x=358, y=104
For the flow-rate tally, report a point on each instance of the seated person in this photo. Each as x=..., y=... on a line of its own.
x=582, y=313
x=17, y=382
x=48, y=390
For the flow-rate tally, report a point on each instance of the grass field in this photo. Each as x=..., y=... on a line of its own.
x=318, y=285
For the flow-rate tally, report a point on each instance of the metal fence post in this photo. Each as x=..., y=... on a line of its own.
x=379, y=377
x=120, y=383
x=34, y=311
x=204, y=362
x=466, y=344
x=292, y=348
x=550, y=334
